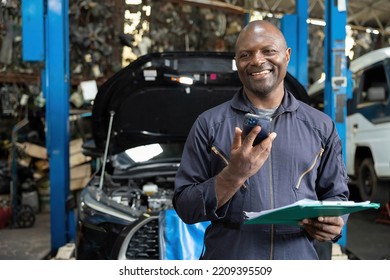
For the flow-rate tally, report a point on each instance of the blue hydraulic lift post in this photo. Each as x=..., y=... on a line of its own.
x=289, y=28
x=57, y=117
x=45, y=38
x=33, y=33
x=302, y=10
x=336, y=80
x=295, y=29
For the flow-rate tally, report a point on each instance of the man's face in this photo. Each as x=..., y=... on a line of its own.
x=262, y=58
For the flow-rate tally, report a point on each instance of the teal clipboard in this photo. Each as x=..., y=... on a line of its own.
x=292, y=214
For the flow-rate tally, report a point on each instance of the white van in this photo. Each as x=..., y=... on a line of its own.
x=367, y=124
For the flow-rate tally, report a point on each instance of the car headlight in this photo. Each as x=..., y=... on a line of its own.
x=95, y=203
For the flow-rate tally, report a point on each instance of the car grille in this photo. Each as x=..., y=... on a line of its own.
x=144, y=243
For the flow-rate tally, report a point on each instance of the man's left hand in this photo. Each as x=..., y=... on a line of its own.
x=323, y=228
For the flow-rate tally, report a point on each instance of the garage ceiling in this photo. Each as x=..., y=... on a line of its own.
x=362, y=14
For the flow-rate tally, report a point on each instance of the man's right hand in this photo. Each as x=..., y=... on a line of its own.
x=245, y=161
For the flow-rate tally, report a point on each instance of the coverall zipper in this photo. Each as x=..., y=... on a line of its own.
x=297, y=187
x=271, y=191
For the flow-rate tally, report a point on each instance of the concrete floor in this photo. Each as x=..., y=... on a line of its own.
x=27, y=243
x=368, y=239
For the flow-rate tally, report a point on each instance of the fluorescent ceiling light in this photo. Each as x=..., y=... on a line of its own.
x=319, y=22
x=133, y=2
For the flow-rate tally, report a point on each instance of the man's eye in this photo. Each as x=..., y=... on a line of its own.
x=244, y=56
x=269, y=52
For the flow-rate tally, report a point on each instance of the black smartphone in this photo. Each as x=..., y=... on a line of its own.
x=252, y=120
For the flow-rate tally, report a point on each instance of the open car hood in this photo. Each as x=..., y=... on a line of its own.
x=152, y=100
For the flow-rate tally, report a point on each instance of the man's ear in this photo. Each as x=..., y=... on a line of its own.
x=288, y=54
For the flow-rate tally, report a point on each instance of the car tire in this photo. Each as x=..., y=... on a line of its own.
x=370, y=187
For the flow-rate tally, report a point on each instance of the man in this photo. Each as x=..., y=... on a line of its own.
x=222, y=175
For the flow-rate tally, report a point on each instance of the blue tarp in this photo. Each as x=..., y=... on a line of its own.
x=180, y=241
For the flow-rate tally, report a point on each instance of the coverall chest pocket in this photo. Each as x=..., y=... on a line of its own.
x=219, y=160
x=305, y=182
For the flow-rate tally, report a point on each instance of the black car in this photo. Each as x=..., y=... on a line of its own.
x=140, y=120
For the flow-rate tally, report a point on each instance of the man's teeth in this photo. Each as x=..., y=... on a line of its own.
x=261, y=73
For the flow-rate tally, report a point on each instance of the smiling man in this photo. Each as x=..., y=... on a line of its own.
x=262, y=57
x=222, y=174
